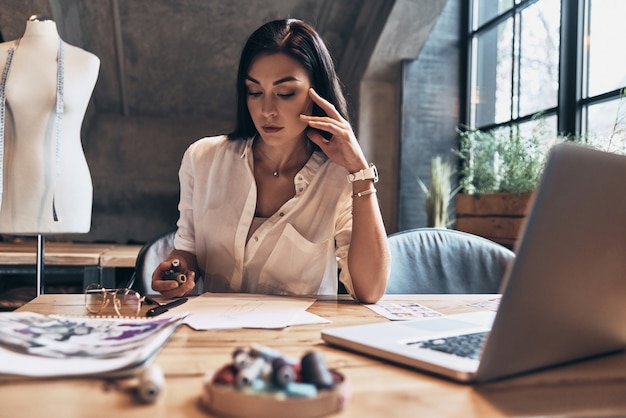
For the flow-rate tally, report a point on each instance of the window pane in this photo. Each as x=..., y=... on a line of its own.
x=486, y=10
x=607, y=62
x=543, y=129
x=539, y=57
x=491, y=93
x=606, y=125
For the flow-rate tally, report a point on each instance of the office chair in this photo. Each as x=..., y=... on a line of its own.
x=150, y=255
x=438, y=260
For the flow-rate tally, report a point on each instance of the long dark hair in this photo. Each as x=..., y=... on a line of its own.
x=300, y=41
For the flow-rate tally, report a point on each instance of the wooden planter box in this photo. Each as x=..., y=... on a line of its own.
x=495, y=216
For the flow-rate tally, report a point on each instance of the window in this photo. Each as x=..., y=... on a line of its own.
x=603, y=114
x=549, y=61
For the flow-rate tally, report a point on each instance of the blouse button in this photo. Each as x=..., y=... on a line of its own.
x=281, y=214
x=256, y=239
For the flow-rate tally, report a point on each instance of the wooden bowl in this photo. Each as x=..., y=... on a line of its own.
x=228, y=401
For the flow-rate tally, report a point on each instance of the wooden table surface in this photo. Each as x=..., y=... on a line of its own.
x=120, y=256
x=55, y=253
x=378, y=389
x=69, y=254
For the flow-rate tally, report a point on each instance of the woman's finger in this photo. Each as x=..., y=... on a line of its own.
x=326, y=106
x=324, y=123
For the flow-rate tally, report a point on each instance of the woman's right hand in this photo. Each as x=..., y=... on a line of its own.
x=171, y=288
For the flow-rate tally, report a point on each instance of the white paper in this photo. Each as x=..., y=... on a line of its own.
x=229, y=311
x=308, y=318
x=489, y=305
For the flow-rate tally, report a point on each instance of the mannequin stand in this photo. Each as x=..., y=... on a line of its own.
x=40, y=264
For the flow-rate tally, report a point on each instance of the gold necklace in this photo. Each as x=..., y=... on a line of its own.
x=276, y=172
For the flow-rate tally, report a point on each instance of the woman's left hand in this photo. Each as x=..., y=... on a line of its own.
x=342, y=147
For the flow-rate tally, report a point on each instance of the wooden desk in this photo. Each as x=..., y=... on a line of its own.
x=120, y=256
x=97, y=262
x=379, y=389
x=55, y=253
x=59, y=258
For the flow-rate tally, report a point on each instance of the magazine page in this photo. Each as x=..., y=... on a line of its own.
x=39, y=345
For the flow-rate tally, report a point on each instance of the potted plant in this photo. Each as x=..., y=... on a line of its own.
x=499, y=170
x=439, y=193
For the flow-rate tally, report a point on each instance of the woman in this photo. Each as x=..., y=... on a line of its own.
x=269, y=208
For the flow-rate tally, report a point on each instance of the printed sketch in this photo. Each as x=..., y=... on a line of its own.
x=61, y=337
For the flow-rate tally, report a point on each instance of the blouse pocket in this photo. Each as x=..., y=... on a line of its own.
x=296, y=266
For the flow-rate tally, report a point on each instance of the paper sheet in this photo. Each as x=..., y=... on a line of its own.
x=489, y=305
x=399, y=311
x=228, y=311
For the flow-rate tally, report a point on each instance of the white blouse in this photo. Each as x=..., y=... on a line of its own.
x=296, y=251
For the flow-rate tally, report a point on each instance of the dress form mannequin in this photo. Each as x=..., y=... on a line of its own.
x=46, y=182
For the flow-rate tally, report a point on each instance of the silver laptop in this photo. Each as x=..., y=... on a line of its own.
x=564, y=296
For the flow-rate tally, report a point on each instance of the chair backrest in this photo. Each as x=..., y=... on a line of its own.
x=150, y=255
x=438, y=260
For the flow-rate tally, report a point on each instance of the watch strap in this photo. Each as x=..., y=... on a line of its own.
x=370, y=173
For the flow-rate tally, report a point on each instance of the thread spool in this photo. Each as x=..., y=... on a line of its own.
x=247, y=375
x=283, y=373
x=174, y=274
x=258, y=350
x=315, y=371
x=151, y=384
x=180, y=278
x=241, y=358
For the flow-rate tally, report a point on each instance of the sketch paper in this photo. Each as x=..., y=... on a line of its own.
x=229, y=311
x=39, y=345
x=399, y=311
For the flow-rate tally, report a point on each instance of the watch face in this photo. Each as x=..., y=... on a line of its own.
x=375, y=172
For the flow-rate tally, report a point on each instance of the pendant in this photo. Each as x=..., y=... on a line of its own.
x=275, y=173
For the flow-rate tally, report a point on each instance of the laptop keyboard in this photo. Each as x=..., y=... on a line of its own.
x=466, y=345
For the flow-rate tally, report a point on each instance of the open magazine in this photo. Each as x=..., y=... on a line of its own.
x=37, y=345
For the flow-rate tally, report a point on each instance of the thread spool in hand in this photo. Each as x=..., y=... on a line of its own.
x=180, y=278
x=174, y=274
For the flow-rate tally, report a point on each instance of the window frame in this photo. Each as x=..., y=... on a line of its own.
x=571, y=101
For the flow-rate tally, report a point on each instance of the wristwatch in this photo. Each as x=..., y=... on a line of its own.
x=370, y=173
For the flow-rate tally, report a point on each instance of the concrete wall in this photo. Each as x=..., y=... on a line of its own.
x=134, y=164
x=404, y=37
x=430, y=113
